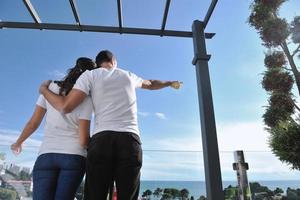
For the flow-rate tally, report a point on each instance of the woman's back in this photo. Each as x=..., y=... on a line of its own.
x=61, y=131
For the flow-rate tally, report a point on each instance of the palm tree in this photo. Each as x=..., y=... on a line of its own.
x=158, y=192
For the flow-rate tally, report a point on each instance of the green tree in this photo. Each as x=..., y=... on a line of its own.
x=285, y=141
x=265, y=192
x=175, y=193
x=293, y=194
x=157, y=192
x=280, y=76
x=8, y=194
x=184, y=193
x=166, y=196
x=147, y=194
x=278, y=191
x=202, y=197
x=24, y=176
x=231, y=193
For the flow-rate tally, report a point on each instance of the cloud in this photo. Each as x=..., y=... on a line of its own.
x=160, y=115
x=247, y=136
x=180, y=143
x=144, y=114
x=157, y=114
x=8, y=138
x=189, y=165
x=9, y=131
x=172, y=166
x=57, y=74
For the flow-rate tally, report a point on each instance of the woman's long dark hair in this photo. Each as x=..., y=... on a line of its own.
x=82, y=64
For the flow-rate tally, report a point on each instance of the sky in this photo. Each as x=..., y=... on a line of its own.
x=168, y=119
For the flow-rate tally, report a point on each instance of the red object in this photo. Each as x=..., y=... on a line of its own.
x=115, y=193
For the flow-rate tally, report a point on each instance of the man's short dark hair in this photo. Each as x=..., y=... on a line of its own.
x=104, y=56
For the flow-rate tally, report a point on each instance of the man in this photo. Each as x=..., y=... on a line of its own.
x=114, y=152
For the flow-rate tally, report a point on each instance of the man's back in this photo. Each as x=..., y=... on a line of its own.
x=114, y=98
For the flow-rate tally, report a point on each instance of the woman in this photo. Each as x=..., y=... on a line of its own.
x=60, y=166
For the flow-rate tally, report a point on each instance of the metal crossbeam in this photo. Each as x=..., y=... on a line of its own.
x=75, y=11
x=90, y=28
x=32, y=11
x=163, y=25
x=209, y=12
x=120, y=17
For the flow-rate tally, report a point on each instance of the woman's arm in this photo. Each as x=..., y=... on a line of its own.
x=84, y=132
x=29, y=128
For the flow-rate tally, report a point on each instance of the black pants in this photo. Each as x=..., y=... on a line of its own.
x=113, y=156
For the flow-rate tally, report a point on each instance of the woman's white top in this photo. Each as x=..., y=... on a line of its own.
x=61, y=132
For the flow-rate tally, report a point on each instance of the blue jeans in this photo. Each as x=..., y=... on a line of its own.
x=57, y=176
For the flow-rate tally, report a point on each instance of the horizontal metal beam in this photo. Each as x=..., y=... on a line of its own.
x=32, y=11
x=163, y=25
x=209, y=12
x=75, y=11
x=92, y=28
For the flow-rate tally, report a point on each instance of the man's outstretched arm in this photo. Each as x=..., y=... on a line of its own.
x=157, y=84
x=64, y=104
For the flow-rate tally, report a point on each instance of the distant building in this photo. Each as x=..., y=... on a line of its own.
x=15, y=169
x=2, y=169
x=26, y=169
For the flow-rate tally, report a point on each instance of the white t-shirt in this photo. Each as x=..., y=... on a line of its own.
x=114, y=98
x=61, y=131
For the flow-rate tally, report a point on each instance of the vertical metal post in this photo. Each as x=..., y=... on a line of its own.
x=213, y=178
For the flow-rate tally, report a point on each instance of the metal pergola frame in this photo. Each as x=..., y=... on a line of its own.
x=213, y=180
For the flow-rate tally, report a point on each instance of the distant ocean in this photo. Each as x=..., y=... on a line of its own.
x=197, y=188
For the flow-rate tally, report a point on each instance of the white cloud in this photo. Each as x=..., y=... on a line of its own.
x=160, y=115
x=172, y=166
x=248, y=136
x=181, y=143
x=144, y=114
x=8, y=138
x=8, y=131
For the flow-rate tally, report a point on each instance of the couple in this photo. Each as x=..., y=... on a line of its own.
x=113, y=153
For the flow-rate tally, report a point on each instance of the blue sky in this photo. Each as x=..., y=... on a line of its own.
x=168, y=119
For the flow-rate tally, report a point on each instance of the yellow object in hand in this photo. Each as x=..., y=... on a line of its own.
x=176, y=85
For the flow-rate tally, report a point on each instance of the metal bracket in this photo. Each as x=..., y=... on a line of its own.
x=200, y=57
